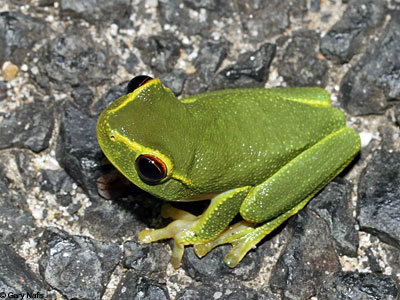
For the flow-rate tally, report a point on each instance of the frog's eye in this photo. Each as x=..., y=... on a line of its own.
x=137, y=82
x=151, y=169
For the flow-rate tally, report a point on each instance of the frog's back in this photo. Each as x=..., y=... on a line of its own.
x=252, y=133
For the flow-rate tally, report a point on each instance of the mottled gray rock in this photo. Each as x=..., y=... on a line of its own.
x=375, y=78
x=3, y=90
x=83, y=96
x=300, y=64
x=308, y=259
x=159, y=52
x=17, y=278
x=78, y=267
x=132, y=63
x=347, y=36
x=393, y=257
x=379, y=197
x=97, y=11
x=59, y=183
x=28, y=175
x=171, y=12
x=218, y=290
x=66, y=61
x=44, y=3
x=360, y=286
x=18, y=34
x=174, y=80
x=136, y=287
x=251, y=70
x=389, y=136
x=397, y=113
x=16, y=221
x=29, y=126
x=208, y=4
x=210, y=57
x=268, y=18
x=77, y=149
x=333, y=205
x=110, y=96
x=201, y=22
x=315, y=5
x=146, y=259
x=373, y=261
x=79, y=57
x=114, y=219
x=212, y=267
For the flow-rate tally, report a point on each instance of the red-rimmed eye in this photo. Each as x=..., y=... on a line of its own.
x=137, y=82
x=151, y=169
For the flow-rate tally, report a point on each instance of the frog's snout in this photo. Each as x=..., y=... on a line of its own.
x=104, y=132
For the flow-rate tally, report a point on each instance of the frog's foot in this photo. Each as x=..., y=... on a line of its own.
x=188, y=229
x=242, y=236
x=231, y=234
x=184, y=221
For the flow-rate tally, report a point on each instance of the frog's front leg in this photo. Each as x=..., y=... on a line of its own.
x=286, y=192
x=188, y=229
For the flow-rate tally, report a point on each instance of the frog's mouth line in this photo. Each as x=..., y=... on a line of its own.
x=206, y=196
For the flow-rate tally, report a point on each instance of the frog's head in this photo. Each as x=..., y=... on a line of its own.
x=143, y=134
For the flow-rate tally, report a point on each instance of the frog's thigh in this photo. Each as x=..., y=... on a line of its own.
x=289, y=190
x=222, y=209
x=314, y=96
x=302, y=177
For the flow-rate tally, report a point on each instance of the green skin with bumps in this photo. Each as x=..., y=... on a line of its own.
x=262, y=153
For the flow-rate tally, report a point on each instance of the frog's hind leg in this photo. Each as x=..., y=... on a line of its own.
x=244, y=235
x=286, y=192
x=188, y=229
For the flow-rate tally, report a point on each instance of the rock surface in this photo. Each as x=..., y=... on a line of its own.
x=69, y=223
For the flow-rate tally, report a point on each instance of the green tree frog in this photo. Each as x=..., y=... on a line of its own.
x=261, y=153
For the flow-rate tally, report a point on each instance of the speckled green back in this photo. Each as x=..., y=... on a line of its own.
x=244, y=136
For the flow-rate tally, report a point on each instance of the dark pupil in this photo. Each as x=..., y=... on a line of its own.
x=149, y=169
x=137, y=82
